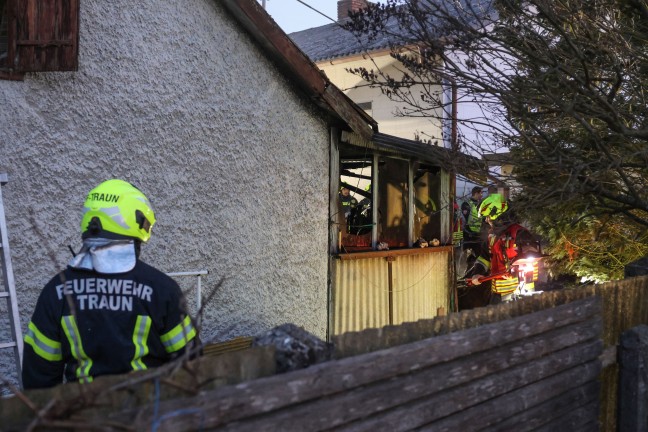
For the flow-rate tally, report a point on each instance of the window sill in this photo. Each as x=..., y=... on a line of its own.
x=392, y=253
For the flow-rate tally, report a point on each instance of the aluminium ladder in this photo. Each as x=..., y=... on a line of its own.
x=9, y=292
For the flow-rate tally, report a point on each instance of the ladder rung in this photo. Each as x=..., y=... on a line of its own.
x=4, y=294
x=7, y=345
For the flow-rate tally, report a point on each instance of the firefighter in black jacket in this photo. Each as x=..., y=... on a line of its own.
x=108, y=312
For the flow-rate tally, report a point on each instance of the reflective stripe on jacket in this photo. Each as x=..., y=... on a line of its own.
x=504, y=286
x=120, y=322
x=474, y=219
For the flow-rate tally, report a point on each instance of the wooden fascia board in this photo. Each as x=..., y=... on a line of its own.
x=348, y=111
x=466, y=165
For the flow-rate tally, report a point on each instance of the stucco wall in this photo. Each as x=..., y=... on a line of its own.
x=174, y=97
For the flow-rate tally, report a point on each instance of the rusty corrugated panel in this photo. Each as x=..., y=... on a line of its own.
x=420, y=286
x=360, y=295
x=361, y=290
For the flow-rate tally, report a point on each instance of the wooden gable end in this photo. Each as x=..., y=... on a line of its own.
x=43, y=35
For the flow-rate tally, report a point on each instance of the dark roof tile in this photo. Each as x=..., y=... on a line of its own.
x=333, y=41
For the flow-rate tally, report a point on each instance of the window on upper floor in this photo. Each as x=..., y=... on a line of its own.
x=38, y=36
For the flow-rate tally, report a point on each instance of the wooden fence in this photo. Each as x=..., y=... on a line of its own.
x=530, y=365
x=625, y=305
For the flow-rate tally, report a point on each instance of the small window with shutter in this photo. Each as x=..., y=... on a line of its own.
x=38, y=36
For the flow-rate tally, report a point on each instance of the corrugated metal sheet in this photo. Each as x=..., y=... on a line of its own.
x=361, y=296
x=420, y=286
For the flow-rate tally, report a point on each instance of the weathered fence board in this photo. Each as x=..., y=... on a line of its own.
x=582, y=419
x=513, y=402
x=92, y=401
x=371, y=399
x=351, y=344
x=278, y=391
x=531, y=365
x=459, y=401
x=238, y=404
x=633, y=380
x=625, y=305
x=536, y=417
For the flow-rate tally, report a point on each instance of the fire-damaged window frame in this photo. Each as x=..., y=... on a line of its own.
x=38, y=36
x=416, y=199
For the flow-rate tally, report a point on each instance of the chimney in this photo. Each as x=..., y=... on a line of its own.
x=344, y=6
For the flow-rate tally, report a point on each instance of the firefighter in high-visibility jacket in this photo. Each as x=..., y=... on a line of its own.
x=108, y=312
x=504, y=249
x=473, y=226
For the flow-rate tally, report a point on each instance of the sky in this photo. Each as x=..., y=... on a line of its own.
x=292, y=16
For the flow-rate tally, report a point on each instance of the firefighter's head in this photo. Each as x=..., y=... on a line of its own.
x=117, y=210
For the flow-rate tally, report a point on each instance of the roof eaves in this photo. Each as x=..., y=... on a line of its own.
x=464, y=164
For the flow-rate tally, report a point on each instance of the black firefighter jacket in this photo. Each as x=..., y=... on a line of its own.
x=121, y=322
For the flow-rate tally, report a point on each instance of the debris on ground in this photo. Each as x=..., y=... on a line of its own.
x=295, y=347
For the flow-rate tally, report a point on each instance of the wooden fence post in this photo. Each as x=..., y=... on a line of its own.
x=633, y=380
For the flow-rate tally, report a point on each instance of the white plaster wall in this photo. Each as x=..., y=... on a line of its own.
x=174, y=97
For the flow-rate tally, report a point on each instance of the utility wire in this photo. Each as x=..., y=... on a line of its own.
x=312, y=8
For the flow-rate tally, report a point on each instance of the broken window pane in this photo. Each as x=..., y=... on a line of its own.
x=393, y=197
x=354, y=204
x=394, y=223
x=427, y=216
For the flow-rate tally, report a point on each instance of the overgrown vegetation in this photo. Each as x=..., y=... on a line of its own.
x=559, y=85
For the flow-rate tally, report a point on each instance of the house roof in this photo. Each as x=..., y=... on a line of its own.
x=297, y=66
x=333, y=41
